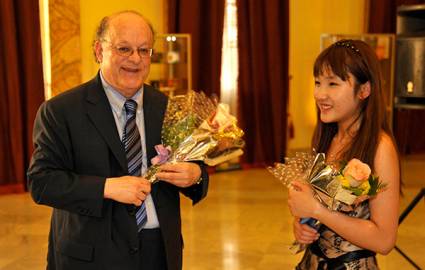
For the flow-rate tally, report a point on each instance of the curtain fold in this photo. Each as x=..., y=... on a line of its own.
x=263, y=85
x=408, y=124
x=21, y=88
x=203, y=20
x=383, y=14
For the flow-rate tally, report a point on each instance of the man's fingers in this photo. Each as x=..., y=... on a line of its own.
x=182, y=174
x=179, y=183
x=172, y=176
x=141, y=196
x=166, y=175
x=137, y=202
x=146, y=189
x=171, y=167
x=142, y=185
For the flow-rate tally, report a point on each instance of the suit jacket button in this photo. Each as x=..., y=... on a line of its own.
x=131, y=210
x=133, y=250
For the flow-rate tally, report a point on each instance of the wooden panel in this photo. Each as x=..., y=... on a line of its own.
x=65, y=44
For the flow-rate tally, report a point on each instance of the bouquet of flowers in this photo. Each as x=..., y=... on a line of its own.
x=356, y=183
x=196, y=128
x=335, y=188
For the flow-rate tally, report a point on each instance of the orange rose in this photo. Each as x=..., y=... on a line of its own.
x=356, y=172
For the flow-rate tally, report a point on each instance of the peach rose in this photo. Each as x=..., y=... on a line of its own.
x=356, y=172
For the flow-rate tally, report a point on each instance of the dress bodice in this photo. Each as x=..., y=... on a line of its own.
x=333, y=245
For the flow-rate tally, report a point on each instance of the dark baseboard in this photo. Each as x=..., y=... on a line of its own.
x=11, y=188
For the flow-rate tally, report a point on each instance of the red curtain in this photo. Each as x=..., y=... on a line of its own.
x=21, y=88
x=383, y=14
x=263, y=41
x=408, y=124
x=203, y=19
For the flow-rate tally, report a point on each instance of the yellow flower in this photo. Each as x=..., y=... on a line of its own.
x=365, y=186
x=344, y=181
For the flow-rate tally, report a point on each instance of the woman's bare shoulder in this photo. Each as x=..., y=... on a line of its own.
x=386, y=158
x=386, y=145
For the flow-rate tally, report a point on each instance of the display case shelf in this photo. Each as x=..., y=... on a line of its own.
x=171, y=67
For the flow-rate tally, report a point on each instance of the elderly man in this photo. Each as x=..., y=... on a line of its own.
x=92, y=144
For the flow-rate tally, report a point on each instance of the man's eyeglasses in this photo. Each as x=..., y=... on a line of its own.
x=126, y=51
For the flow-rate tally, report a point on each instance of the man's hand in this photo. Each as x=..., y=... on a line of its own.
x=181, y=174
x=127, y=189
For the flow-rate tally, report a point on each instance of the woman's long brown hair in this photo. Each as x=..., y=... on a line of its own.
x=357, y=58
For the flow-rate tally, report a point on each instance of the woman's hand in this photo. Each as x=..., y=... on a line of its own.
x=304, y=233
x=302, y=202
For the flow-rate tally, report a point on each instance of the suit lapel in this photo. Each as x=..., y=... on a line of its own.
x=153, y=117
x=153, y=122
x=100, y=113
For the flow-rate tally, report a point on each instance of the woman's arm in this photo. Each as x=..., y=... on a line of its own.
x=377, y=234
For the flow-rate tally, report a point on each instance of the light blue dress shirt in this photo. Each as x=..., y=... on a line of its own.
x=116, y=100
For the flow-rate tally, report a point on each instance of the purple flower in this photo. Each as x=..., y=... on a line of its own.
x=163, y=154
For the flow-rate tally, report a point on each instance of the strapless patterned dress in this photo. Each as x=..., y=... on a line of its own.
x=332, y=252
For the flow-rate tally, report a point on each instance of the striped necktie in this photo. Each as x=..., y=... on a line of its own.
x=133, y=151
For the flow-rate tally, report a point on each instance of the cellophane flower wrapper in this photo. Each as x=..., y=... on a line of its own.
x=329, y=183
x=197, y=128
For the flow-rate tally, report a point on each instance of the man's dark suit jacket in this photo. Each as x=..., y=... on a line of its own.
x=77, y=146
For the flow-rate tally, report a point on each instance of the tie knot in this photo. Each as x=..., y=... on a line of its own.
x=130, y=107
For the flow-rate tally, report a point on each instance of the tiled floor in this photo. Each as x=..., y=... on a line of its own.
x=244, y=223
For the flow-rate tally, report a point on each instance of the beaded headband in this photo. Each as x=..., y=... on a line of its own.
x=349, y=45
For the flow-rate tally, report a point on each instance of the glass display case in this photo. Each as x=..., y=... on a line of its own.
x=171, y=69
x=384, y=46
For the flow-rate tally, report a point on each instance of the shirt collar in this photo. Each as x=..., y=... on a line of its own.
x=117, y=100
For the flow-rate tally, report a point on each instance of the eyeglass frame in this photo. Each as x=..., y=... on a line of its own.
x=117, y=49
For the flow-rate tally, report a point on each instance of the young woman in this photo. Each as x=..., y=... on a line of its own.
x=351, y=124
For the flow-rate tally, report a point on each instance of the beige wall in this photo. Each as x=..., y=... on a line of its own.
x=308, y=19
x=91, y=12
